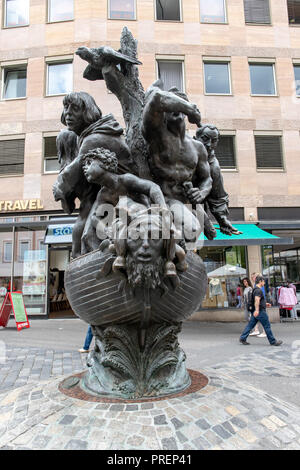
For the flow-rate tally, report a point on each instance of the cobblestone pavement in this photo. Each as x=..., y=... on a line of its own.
x=227, y=414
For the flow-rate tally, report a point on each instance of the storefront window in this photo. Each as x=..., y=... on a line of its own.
x=280, y=267
x=30, y=270
x=225, y=268
x=6, y=243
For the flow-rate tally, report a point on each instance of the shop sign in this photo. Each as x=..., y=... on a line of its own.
x=21, y=205
x=14, y=302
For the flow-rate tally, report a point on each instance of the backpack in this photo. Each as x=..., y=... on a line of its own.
x=250, y=301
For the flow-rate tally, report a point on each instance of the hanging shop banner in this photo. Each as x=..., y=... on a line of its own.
x=5, y=310
x=14, y=302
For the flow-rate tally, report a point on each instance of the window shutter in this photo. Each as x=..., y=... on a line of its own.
x=12, y=157
x=225, y=152
x=268, y=152
x=50, y=147
x=257, y=11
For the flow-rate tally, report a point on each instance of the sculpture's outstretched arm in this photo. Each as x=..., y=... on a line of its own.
x=160, y=102
x=152, y=190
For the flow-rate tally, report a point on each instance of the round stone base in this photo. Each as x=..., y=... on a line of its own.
x=72, y=387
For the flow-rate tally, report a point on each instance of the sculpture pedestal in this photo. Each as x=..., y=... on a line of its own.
x=118, y=367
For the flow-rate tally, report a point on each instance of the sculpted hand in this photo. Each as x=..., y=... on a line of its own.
x=227, y=228
x=194, y=116
x=195, y=196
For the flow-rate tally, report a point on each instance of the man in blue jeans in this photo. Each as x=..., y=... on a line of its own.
x=259, y=314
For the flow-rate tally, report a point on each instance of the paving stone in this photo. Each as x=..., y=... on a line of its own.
x=221, y=432
x=201, y=443
x=40, y=442
x=169, y=444
x=76, y=444
x=160, y=419
x=177, y=423
x=238, y=422
x=181, y=437
x=203, y=424
x=131, y=407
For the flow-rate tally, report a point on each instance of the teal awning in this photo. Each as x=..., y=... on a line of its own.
x=252, y=235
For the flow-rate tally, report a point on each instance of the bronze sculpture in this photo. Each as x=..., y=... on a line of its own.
x=134, y=277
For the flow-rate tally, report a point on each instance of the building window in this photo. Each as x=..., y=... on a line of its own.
x=268, y=152
x=23, y=249
x=60, y=10
x=16, y=13
x=59, y=78
x=12, y=157
x=7, y=252
x=14, y=83
x=257, y=11
x=50, y=155
x=213, y=11
x=297, y=78
x=262, y=79
x=171, y=74
x=122, y=9
x=294, y=11
x=225, y=152
x=168, y=10
x=217, y=78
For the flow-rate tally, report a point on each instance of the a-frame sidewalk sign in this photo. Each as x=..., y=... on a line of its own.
x=14, y=302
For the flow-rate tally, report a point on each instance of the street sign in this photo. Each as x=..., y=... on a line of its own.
x=14, y=302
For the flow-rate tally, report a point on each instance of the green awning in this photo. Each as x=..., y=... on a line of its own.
x=252, y=235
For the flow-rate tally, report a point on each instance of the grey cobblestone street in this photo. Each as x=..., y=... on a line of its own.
x=246, y=404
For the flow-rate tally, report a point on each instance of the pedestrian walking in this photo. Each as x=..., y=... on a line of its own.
x=259, y=314
x=87, y=342
x=256, y=331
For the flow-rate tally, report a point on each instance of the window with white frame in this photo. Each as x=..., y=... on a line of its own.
x=269, y=153
x=122, y=9
x=217, y=78
x=16, y=13
x=59, y=78
x=213, y=11
x=7, y=252
x=51, y=163
x=23, y=248
x=297, y=78
x=168, y=10
x=60, y=10
x=171, y=73
x=262, y=77
x=14, y=81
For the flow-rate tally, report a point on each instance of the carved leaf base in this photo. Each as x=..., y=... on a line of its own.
x=129, y=363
